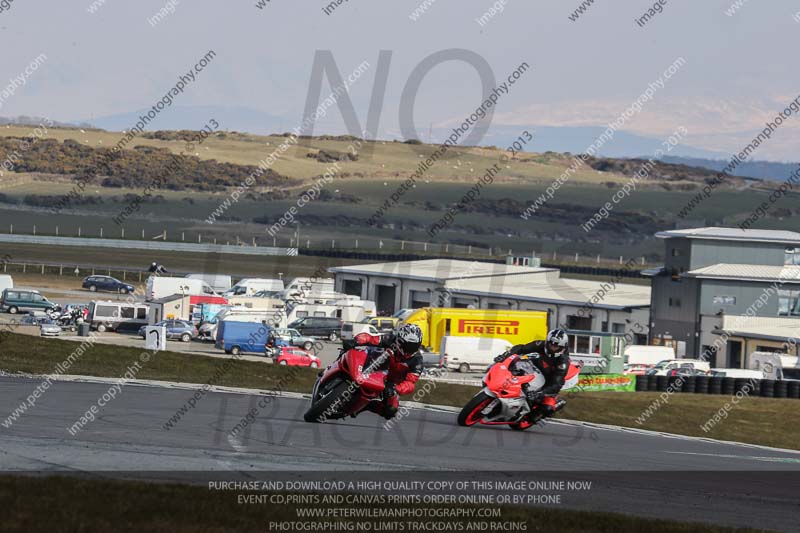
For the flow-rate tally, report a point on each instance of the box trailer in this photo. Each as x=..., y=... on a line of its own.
x=158, y=287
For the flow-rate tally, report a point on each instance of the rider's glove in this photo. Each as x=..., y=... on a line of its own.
x=534, y=396
x=502, y=357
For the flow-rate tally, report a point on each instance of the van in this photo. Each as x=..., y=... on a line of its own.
x=637, y=354
x=467, y=354
x=242, y=337
x=662, y=368
x=383, y=323
x=218, y=282
x=114, y=316
x=250, y=286
x=208, y=331
x=775, y=365
x=327, y=327
x=158, y=287
x=16, y=300
x=6, y=282
x=736, y=373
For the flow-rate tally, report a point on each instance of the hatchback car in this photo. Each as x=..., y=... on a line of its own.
x=48, y=328
x=293, y=338
x=296, y=357
x=176, y=329
x=319, y=326
x=106, y=283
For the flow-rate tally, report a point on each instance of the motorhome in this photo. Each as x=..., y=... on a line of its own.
x=114, y=316
x=255, y=303
x=250, y=286
x=219, y=282
x=6, y=282
x=341, y=310
x=517, y=327
x=649, y=356
x=160, y=287
x=310, y=285
x=776, y=365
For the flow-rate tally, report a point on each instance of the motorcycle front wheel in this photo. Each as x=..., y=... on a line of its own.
x=329, y=402
x=471, y=413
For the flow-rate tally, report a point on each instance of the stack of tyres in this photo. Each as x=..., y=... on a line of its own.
x=662, y=382
x=701, y=384
x=675, y=383
x=652, y=382
x=793, y=389
x=781, y=387
x=747, y=386
x=768, y=388
x=641, y=383
x=715, y=385
x=689, y=384
x=729, y=386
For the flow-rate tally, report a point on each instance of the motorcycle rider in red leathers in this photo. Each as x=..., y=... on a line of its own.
x=398, y=355
x=553, y=362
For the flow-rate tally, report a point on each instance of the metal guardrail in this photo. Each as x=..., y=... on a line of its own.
x=147, y=245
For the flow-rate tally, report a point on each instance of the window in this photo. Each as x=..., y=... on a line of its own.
x=788, y=303
x=674, y=302
x=127, y=312
x=26, y=296
x=791, y=373
x=676, y=252
x=106, y=311
x=618, y=327
x=38, y=298
x=386, y=324
x=791, y=256
x=604, y=326
x=319, y=313
x=302, y=314
x=141, y=313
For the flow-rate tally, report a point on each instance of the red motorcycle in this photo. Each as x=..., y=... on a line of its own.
x=503, y=401
x=347, y=386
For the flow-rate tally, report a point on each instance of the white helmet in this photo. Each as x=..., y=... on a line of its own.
x=558, y=337
x=409, y=338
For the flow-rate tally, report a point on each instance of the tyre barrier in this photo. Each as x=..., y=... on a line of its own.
x=714, y=385
x=689, y=384
x=676, y=383
x=793, y=389
x=641, y=383
x=767, y=388
x=781, y=389
x=701, y=384
x=729, y=386
x=746, y=386
x=652, y=382
x=662, y=382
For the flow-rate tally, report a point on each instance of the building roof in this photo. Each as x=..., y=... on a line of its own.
x=785, y=274
x=761, y=327
x=441, y=270
x=733, y=234
x=603, y=294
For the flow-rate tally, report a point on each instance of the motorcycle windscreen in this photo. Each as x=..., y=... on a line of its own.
x=573, y=375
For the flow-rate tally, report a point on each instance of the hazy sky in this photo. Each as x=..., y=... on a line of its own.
x=740, y=70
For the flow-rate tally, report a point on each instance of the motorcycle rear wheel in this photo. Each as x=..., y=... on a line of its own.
x=325, y=406
x=471, y=413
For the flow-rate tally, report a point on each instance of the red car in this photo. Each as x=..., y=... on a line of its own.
x=297, y=357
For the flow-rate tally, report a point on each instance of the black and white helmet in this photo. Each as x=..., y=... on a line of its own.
x=409, y=338
x=558, y=339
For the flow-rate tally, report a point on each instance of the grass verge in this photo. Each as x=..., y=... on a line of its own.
x=765, y=421
x=56, y=503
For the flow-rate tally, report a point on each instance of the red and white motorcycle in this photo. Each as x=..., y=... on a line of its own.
x=502, y=399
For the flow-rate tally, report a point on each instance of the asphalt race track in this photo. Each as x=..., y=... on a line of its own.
x=652, y=475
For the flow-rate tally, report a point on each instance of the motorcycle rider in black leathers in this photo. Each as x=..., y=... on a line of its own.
x=552, y=360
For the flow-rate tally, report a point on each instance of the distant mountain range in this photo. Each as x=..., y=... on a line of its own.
x=753, y=169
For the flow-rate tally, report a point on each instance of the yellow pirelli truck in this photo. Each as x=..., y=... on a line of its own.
x=517, y=327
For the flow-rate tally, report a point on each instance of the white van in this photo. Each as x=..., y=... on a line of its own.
x=219, y=282
x=736, y=373
x=637, y=354
x=775, y=365
x=662, y=368
x=467, y=354
x=250, y=286
x=307, y=285
x=158, y=287
x=6, y=282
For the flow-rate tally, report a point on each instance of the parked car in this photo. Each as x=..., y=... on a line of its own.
x=48, y=328
x=296, y=357
x=16, y=300
x=293, y=338
x=106, y=283
x=383, y=323
x=176, y=329
x=663, y=367
x=33, y=319
x=319, y=326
